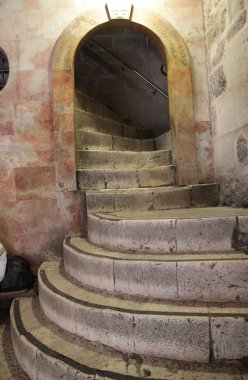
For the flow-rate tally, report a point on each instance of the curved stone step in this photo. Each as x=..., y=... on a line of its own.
x=163, y=141
x=84, y=102
x=92, y=122
x=92, y=179
x=44, y=351
x=211, y=277
x=173, y=331
x=157, y=198
x=90, y=159
x=178, y=230
x=102, y=141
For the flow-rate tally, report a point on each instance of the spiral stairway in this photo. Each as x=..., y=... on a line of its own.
x=159, y=287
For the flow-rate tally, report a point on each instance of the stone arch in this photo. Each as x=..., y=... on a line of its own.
x=172, y=47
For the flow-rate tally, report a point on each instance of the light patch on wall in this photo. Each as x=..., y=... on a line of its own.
x=119, y=9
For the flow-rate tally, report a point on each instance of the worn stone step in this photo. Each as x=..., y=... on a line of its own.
x=163, y=141
x=88, y=159
x=90, y=179
x=101, y=141
x=157, y=198
x=168, y=330
x=210, y=277
x=44, y=351
x=92, y=122
x=178, y=230
x=86, y=103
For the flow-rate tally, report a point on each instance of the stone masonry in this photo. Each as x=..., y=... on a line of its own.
x=227, y=50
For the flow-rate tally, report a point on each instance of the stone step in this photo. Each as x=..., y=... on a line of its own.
x=163, y=141
x=209, y=277
x=86, y=103
x=90, y=179
x=88, y=159
x=158, y=198
x=44, y=351
x=178, y=230
x=102, y=141
x=91, y=122
x=168, y=330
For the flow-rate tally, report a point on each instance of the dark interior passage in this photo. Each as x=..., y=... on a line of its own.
x=115, y=66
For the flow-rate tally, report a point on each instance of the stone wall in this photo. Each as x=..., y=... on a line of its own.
x=35, y=215
x=227, y=49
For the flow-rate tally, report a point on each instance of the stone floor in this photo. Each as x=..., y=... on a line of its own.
x=9, y=368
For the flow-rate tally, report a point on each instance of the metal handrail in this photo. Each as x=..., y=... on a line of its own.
x=131, y=68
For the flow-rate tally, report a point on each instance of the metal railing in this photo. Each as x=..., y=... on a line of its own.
x=131, y=68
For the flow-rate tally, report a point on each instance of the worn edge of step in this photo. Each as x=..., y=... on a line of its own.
x=123, y=125
x=164, y=277
x=19, y=331
x=153, y=198
x=177, y=332
x=195, y=213
x=25, y=339
x=141, y=142
x=118, y=159
x=73, y=242
x=126, y=178
x=176, y=230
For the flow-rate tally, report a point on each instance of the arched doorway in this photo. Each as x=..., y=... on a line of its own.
x=171, y=46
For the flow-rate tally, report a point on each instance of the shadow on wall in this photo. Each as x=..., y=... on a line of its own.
x=106, y=69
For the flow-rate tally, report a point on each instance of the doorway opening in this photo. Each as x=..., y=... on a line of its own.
x=123, y=70
x=170, y=44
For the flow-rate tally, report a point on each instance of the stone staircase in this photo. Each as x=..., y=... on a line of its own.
x=159, y=287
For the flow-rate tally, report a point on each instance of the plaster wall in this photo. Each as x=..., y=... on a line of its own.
x=35, y=216
x=227, y=50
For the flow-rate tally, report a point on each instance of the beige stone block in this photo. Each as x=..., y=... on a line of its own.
x=89, y=270
x=85, y=121
x=229, y=336
x=25, y=353
x=121, y=179
x=93, y=141
x=213, y=281
x=205, y=195
x=122, y=160
x=90, y=179
x=48, y=367
x=57, y=308
x=175, y=337
x=231, y=118
x=139, y=200
x=143, y=160
x=100, y=325
x=161, y=176
x=100, y=201
x=205, y=234
x=124, y=144
x=94, y=229
x=95, y=159
x=133, y=235
x=161, y=157
x=172, y=198
x=146, y=279
x=238, y=70
x=163, y=141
